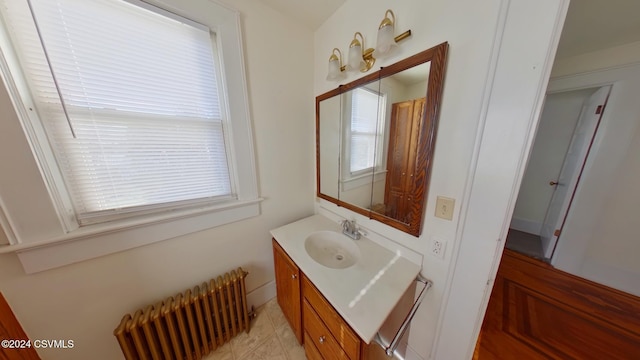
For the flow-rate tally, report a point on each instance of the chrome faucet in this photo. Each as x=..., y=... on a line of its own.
x=350, y=229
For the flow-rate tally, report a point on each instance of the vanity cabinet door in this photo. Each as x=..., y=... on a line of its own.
x=288, y=288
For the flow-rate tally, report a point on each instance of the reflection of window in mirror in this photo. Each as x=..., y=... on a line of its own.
x=364, y=129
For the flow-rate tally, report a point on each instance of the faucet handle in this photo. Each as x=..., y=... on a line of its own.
x=347, y=222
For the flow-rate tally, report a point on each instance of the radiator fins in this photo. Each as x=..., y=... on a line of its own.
x=189, y=325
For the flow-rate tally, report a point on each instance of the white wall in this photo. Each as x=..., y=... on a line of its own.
x=470, y=34
x=473, y=32
x=417, y=91
x=615, y=245
x=559, y=117
x=85, y=301
x=597, y=60
x=600, y=238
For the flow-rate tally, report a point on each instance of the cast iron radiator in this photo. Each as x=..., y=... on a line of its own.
x=189, y=325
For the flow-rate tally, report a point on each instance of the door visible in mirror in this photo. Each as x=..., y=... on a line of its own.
x=405, y=119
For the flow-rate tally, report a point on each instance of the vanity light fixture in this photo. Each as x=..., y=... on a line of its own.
x=335, y=66
x=363, y=59
x=386, y=43
x=359, y=59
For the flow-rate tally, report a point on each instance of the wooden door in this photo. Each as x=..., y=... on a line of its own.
x=406, y=118
x=288, y=289
x=538, y=312
x=10, y=329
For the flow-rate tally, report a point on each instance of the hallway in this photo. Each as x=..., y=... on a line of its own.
x=525, y=243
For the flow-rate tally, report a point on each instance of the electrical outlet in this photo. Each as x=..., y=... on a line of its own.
x=437, y=247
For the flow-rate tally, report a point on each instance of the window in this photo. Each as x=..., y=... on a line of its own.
x=366, y=130
x=132, y=100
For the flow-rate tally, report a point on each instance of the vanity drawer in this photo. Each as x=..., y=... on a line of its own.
x=320, y=336
x=310, y=349
x=346, y=337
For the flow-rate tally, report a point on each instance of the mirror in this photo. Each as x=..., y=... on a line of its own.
x=375, y=138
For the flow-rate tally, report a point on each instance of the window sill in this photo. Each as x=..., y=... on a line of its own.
x=98, y=240
x=362, y=180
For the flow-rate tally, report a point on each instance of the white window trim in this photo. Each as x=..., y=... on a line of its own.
x=351, y=180
x=72, y=243
x=354, y=182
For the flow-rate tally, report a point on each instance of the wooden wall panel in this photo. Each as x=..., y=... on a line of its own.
x=538, y=312
x=10, y=329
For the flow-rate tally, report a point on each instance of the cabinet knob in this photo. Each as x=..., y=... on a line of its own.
x=293, y=276
x=321, y=340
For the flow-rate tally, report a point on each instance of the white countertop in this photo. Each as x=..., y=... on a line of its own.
x=363, y=294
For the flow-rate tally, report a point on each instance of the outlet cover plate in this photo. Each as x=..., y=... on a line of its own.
x=438, y=247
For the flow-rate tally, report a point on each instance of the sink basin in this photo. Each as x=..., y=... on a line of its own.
x=332, y=249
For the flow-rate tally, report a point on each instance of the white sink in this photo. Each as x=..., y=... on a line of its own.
x=332, y=249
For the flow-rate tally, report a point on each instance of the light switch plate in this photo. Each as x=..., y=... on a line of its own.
x=444, y=207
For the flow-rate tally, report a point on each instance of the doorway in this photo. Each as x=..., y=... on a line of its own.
x=568, y=124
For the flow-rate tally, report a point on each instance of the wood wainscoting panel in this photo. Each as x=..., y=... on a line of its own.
x=538, y=312
x=10, y=328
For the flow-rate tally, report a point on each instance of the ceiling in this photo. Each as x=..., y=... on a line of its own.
x=590, y=25
x=312, y=13
x=599, y=24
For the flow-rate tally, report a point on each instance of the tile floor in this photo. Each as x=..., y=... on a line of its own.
x=269, y=338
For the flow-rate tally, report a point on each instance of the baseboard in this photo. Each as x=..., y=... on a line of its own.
x=611, y=276
x=528, y=226
x=261, y=295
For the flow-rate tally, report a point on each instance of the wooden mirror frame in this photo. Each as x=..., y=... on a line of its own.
x=426, y=142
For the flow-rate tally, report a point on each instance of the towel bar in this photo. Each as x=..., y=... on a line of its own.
x=391, y=348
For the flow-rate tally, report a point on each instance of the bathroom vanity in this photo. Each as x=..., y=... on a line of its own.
x=336, y=292
x=324, y=331
x=375, y=138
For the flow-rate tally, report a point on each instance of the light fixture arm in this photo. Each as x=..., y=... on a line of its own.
x=335, y=57
x=355, y=41
x=404, y=35
x=335, y=65
x=386, y=21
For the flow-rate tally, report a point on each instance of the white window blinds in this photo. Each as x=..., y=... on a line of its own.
x=367, y=107
x=143, y=94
